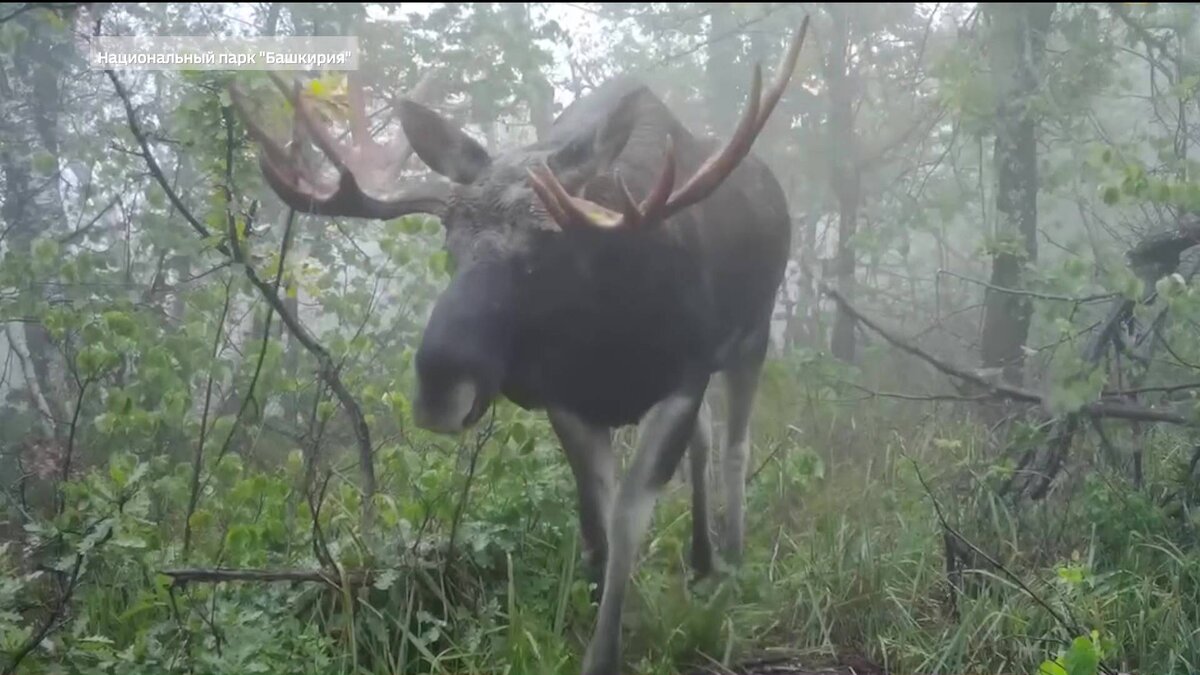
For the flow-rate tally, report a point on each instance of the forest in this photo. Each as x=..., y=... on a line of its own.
x=974, y=446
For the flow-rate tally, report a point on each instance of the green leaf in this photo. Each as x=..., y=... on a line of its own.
x=200, y=519
x=120, y=323
x=44, y=162
x=1111, y=195
x=1082, y=658
x=129, y=541
x=385, y=580
x=1051, y=668
x=45, y=252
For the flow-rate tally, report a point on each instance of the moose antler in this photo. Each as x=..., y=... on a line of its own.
x=362, y=163
x=662, y=201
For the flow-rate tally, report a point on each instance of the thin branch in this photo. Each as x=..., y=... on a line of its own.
x=198, y=464
x=917, y=397
x=1142, y=32
x=1095, y=408
x=1150, y=390
x=1073, y=628
x=480, y=440
x=328, y=370
x=29, y=6
x=83, y=229
x=262, y=352
x=182, y=577
x=54, y=620
x=153, y=165
x=1031, y=294
x=66, y=469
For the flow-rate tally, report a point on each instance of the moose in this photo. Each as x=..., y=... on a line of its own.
x=589, y=283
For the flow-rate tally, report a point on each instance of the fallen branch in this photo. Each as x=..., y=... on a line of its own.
x=1001, y=390
x=1161, y=251
x=1169, y=389
x=221, y=575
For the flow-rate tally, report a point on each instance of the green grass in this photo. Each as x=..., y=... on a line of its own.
x=845, y=555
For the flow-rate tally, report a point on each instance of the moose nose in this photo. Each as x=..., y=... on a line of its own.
x=448, y=414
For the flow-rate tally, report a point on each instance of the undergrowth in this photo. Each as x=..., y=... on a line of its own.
x=846, y=556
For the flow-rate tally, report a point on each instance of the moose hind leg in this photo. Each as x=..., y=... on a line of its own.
x=742, y=384
x=589, y=452
x=698, y=453
x=669, y=427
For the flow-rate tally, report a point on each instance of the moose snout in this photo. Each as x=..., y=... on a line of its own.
x=456, y=382
x=456, y=409
x=462, y=359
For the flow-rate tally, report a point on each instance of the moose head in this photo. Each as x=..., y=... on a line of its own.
x=589, y=280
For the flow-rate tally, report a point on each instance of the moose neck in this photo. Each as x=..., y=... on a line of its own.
x=607, y=324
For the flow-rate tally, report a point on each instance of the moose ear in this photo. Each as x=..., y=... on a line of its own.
x=441, y=145
x=596, y=149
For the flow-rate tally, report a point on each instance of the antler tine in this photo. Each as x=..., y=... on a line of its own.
x=330, y=147
x=566, y=210
x=655, y=203
x=547, y=197
x=663, y=200
x=358, y=111
x=718, y=167
x=787, y=66
x=629, y=208
x=273, y=151
x=300, y=187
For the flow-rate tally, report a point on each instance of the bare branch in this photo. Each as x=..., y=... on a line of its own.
x=1031, y=294
x=1000, y=390
x=221, y=575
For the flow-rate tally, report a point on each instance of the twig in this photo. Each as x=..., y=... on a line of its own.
x=37, y=5
x=1171, y=350
x=480, y=441
x=1031, y=294
x=49, y=623
x=198, y=464
x=220, y=575
x=80, y=231
x=1069, y=626
x=54, y=619
x=262, y=352
x=917, y=397
x=328, y=370
x=1149, y=390
x=66, y=469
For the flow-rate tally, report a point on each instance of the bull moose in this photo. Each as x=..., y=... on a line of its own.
x=588, y=282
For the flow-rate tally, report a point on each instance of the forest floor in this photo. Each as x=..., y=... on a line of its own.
x=799, y=666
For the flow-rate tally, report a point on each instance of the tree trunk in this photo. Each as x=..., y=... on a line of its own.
x=33, y=205
x=845, y=176
x=1017, y=41
x=724, y=80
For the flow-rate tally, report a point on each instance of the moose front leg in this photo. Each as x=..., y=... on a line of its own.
x=589, y=452
x=669, y=427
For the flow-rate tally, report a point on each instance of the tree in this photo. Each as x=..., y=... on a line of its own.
x=1016, y=39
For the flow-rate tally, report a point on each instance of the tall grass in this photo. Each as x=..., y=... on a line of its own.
x=845, y=556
